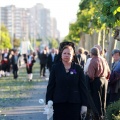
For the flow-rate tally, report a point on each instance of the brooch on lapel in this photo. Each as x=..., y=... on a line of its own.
x=73, y=71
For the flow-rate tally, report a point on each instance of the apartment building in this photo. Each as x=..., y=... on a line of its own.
x=28, y=23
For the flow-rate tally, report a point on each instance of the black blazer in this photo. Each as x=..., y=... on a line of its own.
x=66, y=87
x=43, y=58
x=7, y=57
x=13, y=59
x=27, y=56
x=81, y=59
x=49, y=61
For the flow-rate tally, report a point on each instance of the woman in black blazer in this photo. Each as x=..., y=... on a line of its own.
x=66, y=87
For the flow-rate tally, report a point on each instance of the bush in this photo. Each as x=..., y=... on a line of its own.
x=113, y=111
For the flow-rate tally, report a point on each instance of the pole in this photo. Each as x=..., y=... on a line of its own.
x=12, y=29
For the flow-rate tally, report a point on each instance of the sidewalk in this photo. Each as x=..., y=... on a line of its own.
x=30, y=108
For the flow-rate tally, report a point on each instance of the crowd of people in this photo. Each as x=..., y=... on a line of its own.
x=79, y=80
x=46, y=58
x=10, y=62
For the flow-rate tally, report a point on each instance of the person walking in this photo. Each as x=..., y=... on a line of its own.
x=66, y=87
x=98, y=73
x=6, y=62
x=14, y=62
x=51, y=59
x=29, y=60
x=43, y=62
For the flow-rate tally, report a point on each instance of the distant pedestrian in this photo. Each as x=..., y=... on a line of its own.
x=6, y=62
x=29, y=60
x=51, y=59
x=15, y=63
x=43, y=62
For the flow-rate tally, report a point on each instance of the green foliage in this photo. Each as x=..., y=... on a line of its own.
x=109, y=12
x=81, y=25
x=84, y=4
x=39, y=39
x=37, y=43
x=13, y=91
x=4, y=38
x=113, y=111
x=16, y=43
x=74, y=33
x=94, y=15
x=54, y=43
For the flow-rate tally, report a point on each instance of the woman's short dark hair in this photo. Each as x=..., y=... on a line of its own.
x=67, y=46
x=62, y=47
x=63, y=44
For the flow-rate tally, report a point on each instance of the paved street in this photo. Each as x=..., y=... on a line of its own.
x=30, y=108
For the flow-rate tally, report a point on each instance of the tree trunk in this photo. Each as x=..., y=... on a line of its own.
x=95, y=38
x=118, y=44
x=110, y=48
x=99, y=38
x=82, y=41
x=87, y=41
x=103, y=40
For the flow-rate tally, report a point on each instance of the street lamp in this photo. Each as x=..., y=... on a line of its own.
x=12, y=25
x=36, y=25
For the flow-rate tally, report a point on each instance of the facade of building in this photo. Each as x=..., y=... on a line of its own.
x=54, y=28
x=15, y=21
x=29, y=24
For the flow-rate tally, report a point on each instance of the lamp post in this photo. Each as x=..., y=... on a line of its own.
x=12, y=25
x=36, y=25
x=27, y=27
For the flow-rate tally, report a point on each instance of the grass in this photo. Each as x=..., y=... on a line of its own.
x=13, y=91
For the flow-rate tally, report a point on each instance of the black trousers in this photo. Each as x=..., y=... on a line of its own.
x=0, y=66
x=29, y=69
x=66, y=111
x=98, y=89
x=15, y=71
x=114, y=97
x=42, y=69
x=6, y=67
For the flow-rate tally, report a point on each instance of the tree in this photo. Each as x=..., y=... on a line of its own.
x=74, y=33
x=54, y=43
x=96, y=18
x=16, y=43
x=4, y=38
x=110, y=16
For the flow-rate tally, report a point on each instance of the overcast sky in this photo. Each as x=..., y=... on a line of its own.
x=63, y=10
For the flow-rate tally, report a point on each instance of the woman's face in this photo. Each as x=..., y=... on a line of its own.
x=67, y=54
